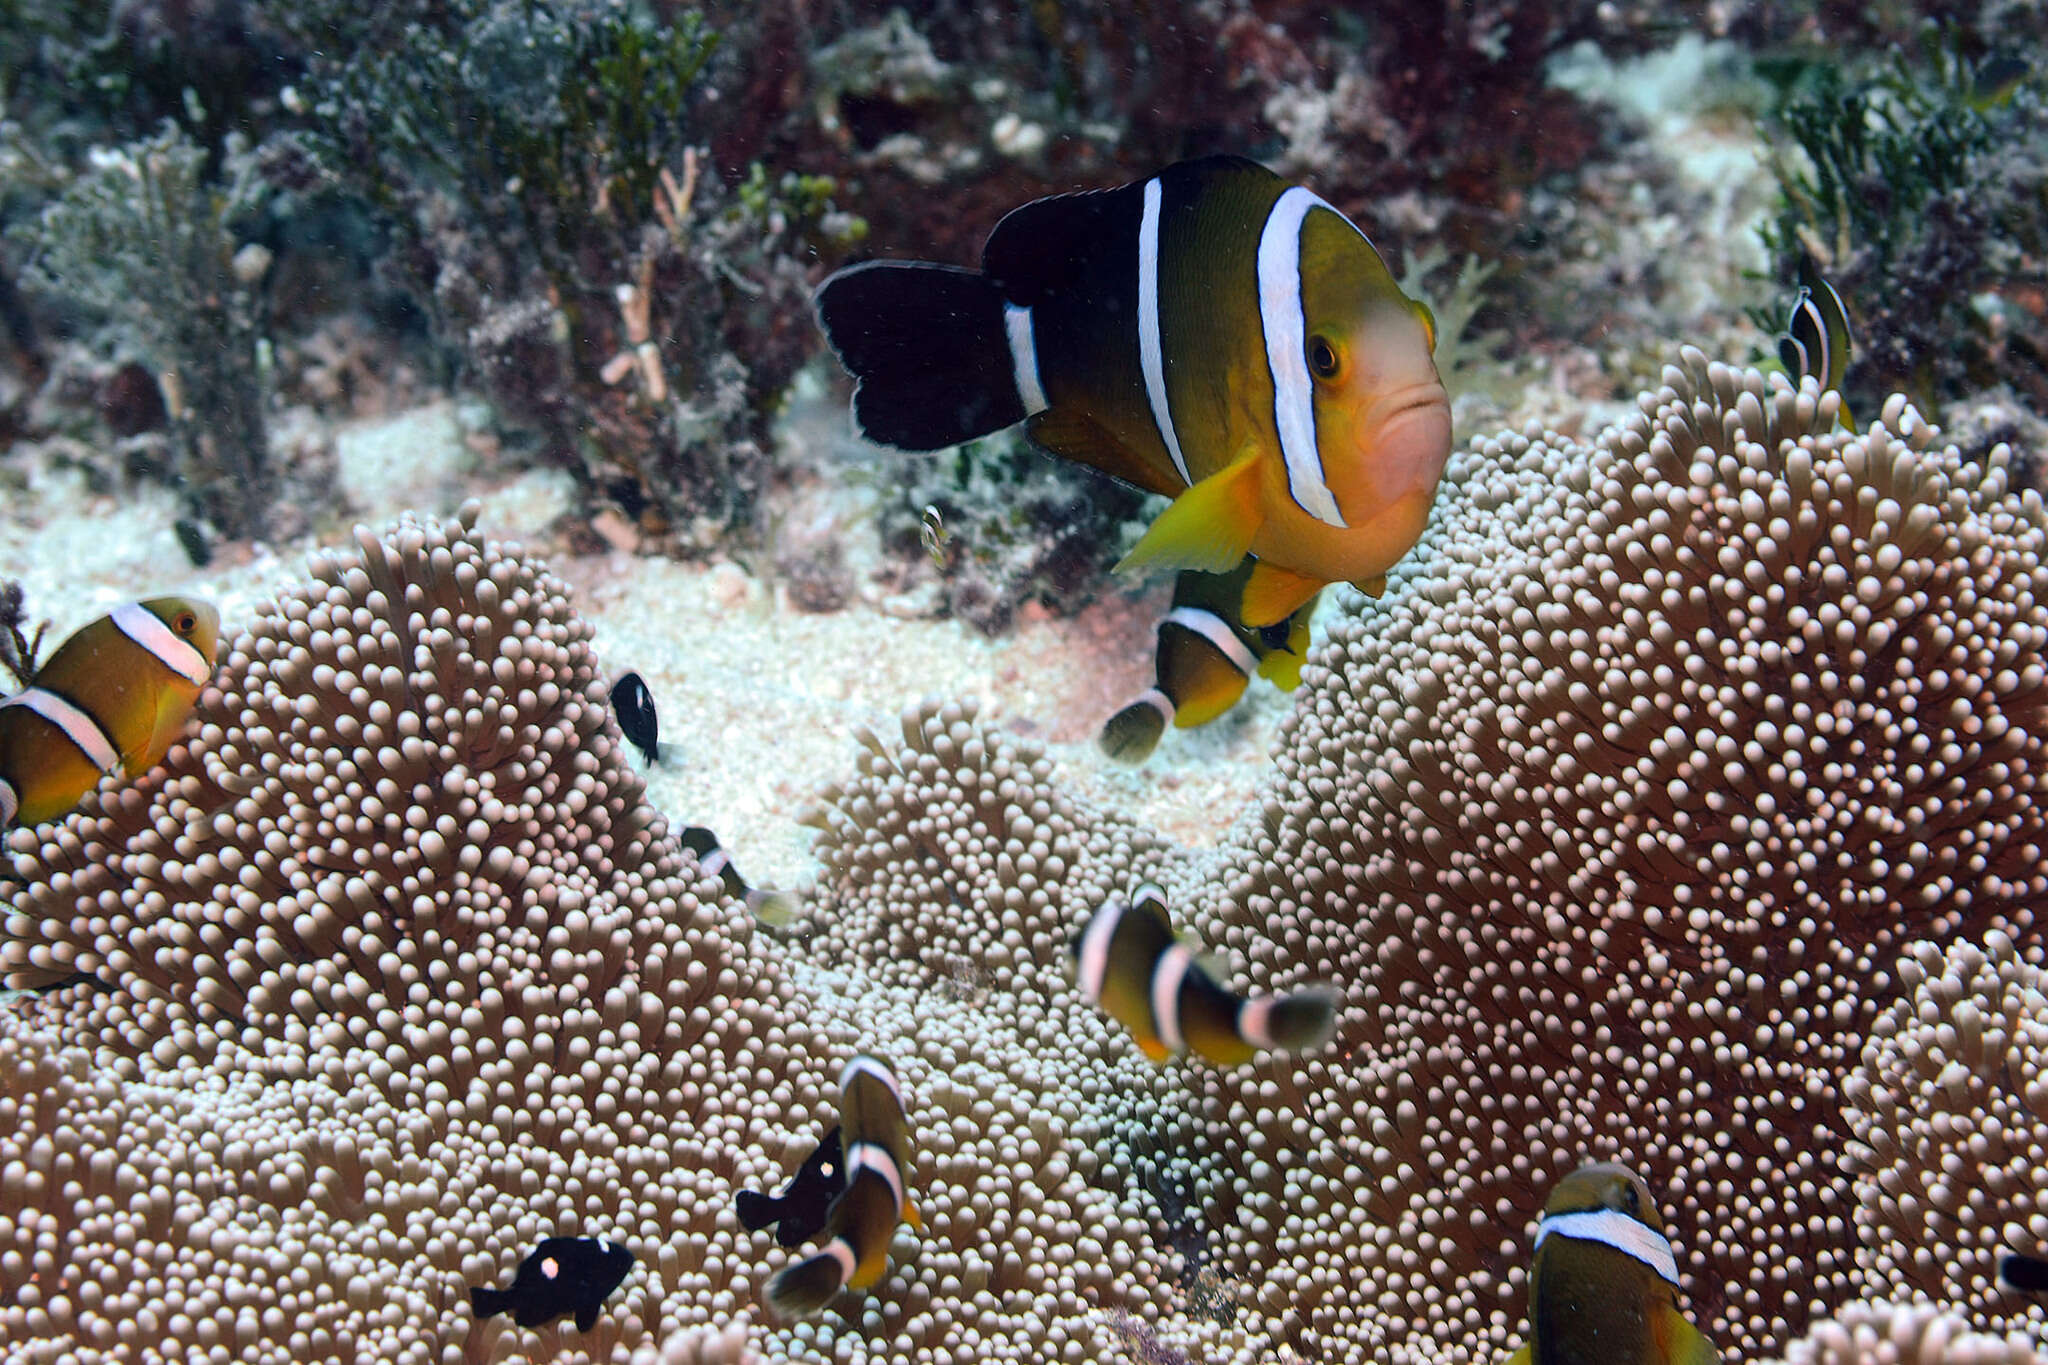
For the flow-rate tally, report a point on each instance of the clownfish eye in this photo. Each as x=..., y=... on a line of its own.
x=186, y=623
x=1322, y=358
x=1627, y=1201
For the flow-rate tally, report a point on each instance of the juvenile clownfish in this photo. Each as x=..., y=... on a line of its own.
x=1603, y=1285
x=799, y=1211
x=1817, y=339
x=1132, y=967
x=633, y=704
x=1205, y=659
x=776, y=909
x=875, y=1133
x=114, y=696
x=1212, y=334
x=564, y=1275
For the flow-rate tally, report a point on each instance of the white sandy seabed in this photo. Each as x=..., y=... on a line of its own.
x=758, y=702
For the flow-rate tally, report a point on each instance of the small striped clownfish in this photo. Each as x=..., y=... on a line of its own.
x=114, y=696
x=875, y=1138
x=776, y=909
x=1603, y=1286
x=1132, y=967
x=1212, y=334
x=1205, y=659
x=1817, y=339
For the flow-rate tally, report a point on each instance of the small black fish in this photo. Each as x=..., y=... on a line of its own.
x=776, y=909
x=634, y=706
x=564, y=1275
x=799, y=1211
x=2023, y=1274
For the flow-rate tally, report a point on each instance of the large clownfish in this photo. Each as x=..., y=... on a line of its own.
x=1212, y=334
x=1130, y=964
x=1204, y=661
x=115, y=696
x=875, y=1138
x=1603, y=1287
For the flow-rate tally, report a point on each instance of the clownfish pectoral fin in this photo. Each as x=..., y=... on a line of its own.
x=1274, y=594
x=1374, y=587
x=1209, y=527
x=1682, y=1342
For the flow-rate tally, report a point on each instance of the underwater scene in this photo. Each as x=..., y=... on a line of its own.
x=1210, y=682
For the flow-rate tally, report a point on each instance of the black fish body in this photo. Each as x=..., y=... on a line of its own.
x=564, y=1275
x=633, y=704
x=799, y=1211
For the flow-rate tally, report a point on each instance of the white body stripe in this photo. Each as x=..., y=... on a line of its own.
x=1024, y=357
x=1613, y=1228
x=1167, y=974
x=78, y=727
x=714, y=862
x=1093, y=962
x=864, y=1064
x=10, y=802
x=181, y=656
x=1150, y=891
x=1286, y=328
x=1210, y=627
x=1151, y=356
x=1157, y=700
x=841, y=1250
x=872, y=1156
x=1255, y=1021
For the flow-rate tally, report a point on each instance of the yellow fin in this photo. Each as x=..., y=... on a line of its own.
x=1376, y=586
x=1682, y=1341
x=1520, y=1357
x=1274, y=594
x=1282, y=668
x=1154, y=1050
x=1209, y=527
x=912, y=1217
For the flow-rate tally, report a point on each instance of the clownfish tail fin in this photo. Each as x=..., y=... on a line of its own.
x=1289, y=1023
x=931, y=350
x=804, y=1288
x=1131, y=734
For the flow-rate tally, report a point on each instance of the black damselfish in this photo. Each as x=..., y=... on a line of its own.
x=799, y=1211
x=634, y=706
x=564, y=1275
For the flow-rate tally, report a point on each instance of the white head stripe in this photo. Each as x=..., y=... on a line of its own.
x=78, y=727
x=1151, y=355
x=1255, y=1021
x=1024, y=357
x=1614, y=1228
x=866, y=1065
x=1286, y=328
x=1157, y=700
x=1093, y=965
x=1167, y=974
x=181, y=656
x=10, y=802
x=1210, y=627
x=713, y=863
x=870, y=1156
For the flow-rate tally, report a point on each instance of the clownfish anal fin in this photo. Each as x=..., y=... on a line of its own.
x=1077, y=437
x=1273, y=594
x=1209, y=527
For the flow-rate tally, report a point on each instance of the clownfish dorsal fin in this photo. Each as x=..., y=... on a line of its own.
x=1274, y=594
x=1209, y=527
x=1074, y=436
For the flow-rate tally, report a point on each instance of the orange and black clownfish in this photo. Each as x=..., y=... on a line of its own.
x=116, y=695
x=875, y=1136
x=1212, y=334
x=1130, y=965
x=1603, y=1284
x=1205, y=659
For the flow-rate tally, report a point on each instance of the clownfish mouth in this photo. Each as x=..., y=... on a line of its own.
x=1408, y=439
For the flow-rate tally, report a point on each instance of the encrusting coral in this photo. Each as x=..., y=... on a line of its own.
x=1624, y=822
